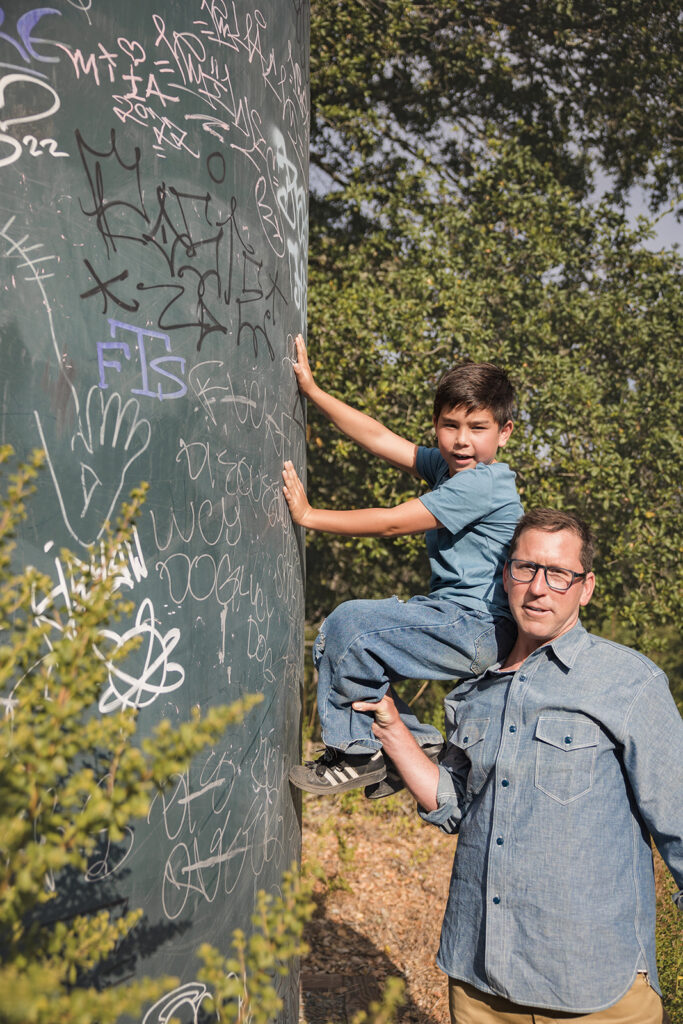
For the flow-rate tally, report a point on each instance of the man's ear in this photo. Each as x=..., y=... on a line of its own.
x=588, y=588
x=506, y=576
x=504, y=435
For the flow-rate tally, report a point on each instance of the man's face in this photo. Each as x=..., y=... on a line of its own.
x=466, y=438
x=543, y=614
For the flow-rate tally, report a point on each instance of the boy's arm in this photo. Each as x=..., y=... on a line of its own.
x=364, y=430
x=420, y=775
x=410, y=517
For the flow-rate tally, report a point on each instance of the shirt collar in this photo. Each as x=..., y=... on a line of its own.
x=567, y=646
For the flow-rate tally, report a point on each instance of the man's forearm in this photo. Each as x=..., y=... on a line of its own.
x=420, y=775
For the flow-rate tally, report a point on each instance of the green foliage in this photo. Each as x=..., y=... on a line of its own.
x=384, y=1011
x=452, y=160
x=68, y=775
x=669, y=944
x=394, y=81
x=509, y=268
x=242, y=984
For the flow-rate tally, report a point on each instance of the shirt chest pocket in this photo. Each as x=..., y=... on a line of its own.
x=566, y=748
x=469, y=737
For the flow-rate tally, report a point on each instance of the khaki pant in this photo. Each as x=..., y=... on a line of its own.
x=640, y=1005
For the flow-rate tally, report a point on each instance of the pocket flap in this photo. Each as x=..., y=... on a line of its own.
x=567, y=733
x=470, y=732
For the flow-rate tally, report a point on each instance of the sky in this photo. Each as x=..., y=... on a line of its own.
x=669, y=230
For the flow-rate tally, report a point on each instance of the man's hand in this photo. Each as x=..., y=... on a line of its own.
x=295, y=496
x=420, y=775
x=302, y=369
x=384, y=711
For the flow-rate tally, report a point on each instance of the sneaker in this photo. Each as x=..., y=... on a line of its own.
x=334, y=771
x=392, y=782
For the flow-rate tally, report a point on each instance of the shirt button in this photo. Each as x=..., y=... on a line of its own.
x=496, y=899
x=522, y=679
x=567, y=739
x=499, y=841
x=513, y=728
x=505, y=782
x=466, y=739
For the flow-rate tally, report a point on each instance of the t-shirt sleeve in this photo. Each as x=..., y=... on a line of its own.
x=430, y=465
x=464, y=498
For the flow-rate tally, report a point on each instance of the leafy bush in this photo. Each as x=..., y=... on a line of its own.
x=68, y=775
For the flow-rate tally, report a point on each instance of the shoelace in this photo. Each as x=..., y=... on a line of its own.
x=322, y=763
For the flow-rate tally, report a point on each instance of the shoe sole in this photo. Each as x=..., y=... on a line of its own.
x=387, y=787
x=323, y=786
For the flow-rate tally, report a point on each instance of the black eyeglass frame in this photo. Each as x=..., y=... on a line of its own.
x=537, y=565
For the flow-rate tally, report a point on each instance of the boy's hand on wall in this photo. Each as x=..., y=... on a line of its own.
x=295, y=495
x=302, y=369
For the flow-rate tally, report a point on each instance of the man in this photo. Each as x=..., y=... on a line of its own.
x=561, y=764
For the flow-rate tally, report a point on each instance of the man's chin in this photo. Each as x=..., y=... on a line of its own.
x=537, y=622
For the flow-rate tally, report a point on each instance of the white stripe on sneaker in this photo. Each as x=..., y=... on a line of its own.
x=339, y=774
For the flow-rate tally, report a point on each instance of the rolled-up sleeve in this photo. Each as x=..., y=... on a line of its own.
x=449, y=813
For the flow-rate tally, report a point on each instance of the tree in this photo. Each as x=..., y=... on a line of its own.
x=576, y=81
x=507, y=267
x=70, y=780
x=453, y=151
x=68, y=777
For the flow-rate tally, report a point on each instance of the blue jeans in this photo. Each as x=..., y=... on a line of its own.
x=365, y=646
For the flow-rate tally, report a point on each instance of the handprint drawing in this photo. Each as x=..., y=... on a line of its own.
x=111, y=435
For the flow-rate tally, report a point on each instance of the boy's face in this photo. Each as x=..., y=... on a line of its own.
x=466, y=438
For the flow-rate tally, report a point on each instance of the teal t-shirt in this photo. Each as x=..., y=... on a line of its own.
x=478, y=509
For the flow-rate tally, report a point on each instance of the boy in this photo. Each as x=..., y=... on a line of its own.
x=464, y=625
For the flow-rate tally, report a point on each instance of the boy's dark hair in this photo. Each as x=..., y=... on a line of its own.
x=476, y=386
x=552, y=521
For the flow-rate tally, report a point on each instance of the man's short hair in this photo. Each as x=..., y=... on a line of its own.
x=476, y=386
x=552, y=521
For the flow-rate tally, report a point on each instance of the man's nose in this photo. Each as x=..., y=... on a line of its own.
x=538, y=584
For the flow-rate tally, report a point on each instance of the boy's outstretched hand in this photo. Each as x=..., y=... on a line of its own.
x=294, y=493
x=302, y=369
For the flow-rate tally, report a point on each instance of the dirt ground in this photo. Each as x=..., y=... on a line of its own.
x=381, y=892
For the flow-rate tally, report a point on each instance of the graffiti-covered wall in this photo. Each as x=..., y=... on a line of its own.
x=153, y=245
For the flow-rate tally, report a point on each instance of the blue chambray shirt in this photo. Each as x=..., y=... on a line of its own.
x=555, y=778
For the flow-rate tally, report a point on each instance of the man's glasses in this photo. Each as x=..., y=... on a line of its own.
x=555, y=577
